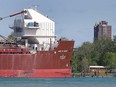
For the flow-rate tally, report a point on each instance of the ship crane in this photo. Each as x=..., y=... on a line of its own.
x=21, y=12
x=5, y=40
x=17, y=13
x=3, y=37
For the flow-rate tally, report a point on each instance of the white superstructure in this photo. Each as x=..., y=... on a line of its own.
x=37, y=30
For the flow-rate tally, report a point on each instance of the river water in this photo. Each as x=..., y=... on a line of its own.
x=58, y=82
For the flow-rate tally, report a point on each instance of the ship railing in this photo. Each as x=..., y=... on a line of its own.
x=32, y=51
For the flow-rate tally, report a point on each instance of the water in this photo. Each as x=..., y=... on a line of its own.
x=58, y=82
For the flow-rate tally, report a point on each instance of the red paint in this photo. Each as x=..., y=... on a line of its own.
x=42, y=73
x=43, y=64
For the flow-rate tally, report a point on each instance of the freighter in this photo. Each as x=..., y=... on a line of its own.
x=36, y=53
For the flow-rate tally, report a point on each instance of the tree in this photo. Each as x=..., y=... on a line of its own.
x=101, y=47
x=109, y=59
x=12, y=37
x=102, y=53
x=74, y=61
x=82, y=57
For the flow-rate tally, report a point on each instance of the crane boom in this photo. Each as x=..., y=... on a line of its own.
x=21, y=12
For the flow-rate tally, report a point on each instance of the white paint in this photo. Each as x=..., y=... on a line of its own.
x=35, y=27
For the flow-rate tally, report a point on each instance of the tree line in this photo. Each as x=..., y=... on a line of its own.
x=100, y=53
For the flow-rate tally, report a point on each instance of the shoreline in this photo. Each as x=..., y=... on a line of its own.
x=109, y=75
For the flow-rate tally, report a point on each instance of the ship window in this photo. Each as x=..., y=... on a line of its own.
x=30, y=24
x=18, y=29
x=36, y=24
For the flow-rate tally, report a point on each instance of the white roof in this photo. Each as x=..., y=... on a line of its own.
x=97, y=67
x=38, y=16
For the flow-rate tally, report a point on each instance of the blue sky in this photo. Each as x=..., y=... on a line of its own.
x=74, y=19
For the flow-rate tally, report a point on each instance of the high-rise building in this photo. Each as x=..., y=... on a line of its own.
x=102, y=31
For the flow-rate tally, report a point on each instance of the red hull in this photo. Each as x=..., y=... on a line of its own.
x=43, y=64
x=41, y=73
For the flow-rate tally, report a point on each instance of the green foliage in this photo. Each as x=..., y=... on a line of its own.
x=11, y=37
x=102, y=53
x=109, y=59
x=82, y=57
x=74, y=62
